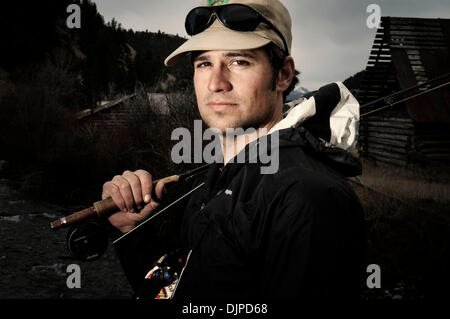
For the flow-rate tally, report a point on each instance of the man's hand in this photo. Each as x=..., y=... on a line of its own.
x=132, y=193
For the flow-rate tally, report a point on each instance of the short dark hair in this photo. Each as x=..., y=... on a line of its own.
x=276, y=59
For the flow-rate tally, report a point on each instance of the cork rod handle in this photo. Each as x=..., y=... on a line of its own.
x=101, y=208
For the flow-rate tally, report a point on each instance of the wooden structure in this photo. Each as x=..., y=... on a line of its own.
x=407, y=52
x=117, y=114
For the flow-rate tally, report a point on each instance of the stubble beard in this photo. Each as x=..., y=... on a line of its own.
x=256, y=122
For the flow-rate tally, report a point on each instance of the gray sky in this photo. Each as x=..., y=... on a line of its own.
x=331, y=40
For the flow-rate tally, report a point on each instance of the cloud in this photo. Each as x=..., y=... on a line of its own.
x=331, y=40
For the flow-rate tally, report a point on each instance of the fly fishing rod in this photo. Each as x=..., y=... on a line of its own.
x=107, y=206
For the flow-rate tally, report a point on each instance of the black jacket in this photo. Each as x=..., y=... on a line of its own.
x=298, y=233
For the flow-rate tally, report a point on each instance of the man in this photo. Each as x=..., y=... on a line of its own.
x=295, y=233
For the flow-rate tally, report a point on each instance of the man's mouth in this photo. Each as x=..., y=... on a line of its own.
x=220, y=106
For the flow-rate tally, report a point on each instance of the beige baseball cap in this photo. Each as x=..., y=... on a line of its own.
x=219, y=37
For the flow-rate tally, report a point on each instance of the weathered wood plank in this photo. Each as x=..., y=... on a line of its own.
x=417, y=28
x=412, y=22
x=402, y=138
x=386, y=148
x=390, y=119
x=400, y=125
x=387, y=154
x=394, y=131
x=418, y=46
x=389, y=160
x=418, y=34
x=386, y=142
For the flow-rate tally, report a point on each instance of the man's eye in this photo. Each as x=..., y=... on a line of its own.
x=203, y=64
x=240, y=62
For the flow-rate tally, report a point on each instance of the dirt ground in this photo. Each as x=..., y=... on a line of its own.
x=34, y=258
x=410, y=243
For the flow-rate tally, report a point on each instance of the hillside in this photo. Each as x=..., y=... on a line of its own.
x=49, y=72
x=99, y=59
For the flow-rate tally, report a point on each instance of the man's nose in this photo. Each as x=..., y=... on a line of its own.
x=219, y=80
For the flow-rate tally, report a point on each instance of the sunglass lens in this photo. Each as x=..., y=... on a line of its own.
x=239, y=18
x=197, y=20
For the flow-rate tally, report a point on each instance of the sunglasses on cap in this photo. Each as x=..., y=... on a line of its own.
x=237, y=17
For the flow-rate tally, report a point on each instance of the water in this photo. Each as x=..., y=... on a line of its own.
x=34, y=258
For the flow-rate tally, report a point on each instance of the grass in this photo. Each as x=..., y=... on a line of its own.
x=415, y=184
x=408, y=222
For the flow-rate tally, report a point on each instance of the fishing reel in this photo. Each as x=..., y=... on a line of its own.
x=87, y=240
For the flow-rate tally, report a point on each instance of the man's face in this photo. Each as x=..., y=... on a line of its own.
x=235, y=89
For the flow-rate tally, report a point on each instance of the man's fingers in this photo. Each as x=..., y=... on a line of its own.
x=159, y=190
x=146, y=184
x=133, y=190
x=136, y=189
x=125, y=191
x=112, y=190
x=147, y=210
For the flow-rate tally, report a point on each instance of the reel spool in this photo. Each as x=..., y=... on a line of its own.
x=87, y=241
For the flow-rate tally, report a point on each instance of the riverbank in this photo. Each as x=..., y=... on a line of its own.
x=34, y=258
x=408, y=226
x=408, y=223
